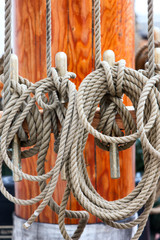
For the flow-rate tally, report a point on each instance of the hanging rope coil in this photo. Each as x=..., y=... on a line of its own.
x=10, y=124
x=133, y=83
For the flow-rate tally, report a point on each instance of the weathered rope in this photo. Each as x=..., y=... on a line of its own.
x=85, y=113
x=77, y=126
x=7, y=54
x=48, y=37
x=150, y=39
x=148, y=49
x=97, y=29
x=104, y=86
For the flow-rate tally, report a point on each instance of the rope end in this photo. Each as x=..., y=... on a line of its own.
x=26, y=225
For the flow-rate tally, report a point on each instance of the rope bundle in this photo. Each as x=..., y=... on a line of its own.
x=10, y=123
x=104, y=86
x=75, y=128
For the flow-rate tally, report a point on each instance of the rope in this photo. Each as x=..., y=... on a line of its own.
x=148, y=49
x=7, y=54
x=40, y=143
x=48, y=37
x=76, y=126
x=150, y=39
x=104, y=86
x=97, y=33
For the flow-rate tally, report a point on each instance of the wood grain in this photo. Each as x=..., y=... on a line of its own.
x=72, y=33
x=80, y=62
x=117, y=25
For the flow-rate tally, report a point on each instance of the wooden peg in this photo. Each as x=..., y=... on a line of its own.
x=16, y=150
x=109, y=56
x=156, y=33
x=157, y=61
x=157, y=50
x=61, y=63
x=114, y=160
x=61, y=66
x=157, y=55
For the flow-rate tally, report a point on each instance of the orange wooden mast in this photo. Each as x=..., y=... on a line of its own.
x=72, y=23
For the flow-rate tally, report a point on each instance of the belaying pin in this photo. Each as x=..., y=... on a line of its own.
x=61, y=66
x=16, y=150
x=109, y=57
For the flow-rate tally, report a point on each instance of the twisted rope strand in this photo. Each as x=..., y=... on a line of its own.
x=48, y=37
x=75, y=128
x=7, y=53
x=150, y=40
x=97, y=33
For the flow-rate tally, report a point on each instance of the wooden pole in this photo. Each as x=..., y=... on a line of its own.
x=72, y=24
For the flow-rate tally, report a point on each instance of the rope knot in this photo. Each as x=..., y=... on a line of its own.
x=64, y=86
x=114, y=85
x=61, y=83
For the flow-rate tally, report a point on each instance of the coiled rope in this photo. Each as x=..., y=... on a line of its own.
x=105, y=86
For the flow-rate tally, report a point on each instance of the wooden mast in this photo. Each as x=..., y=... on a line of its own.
x=72, y=23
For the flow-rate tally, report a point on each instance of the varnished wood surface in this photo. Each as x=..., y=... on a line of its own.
x=80, y=62
x=72, y=33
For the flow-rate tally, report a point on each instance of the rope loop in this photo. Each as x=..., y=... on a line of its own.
x=40, y=96
x=110, y=105
x=120, y=77
x=114, y=86
x=61, y=84
x=109, y=78
x=64, y=86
